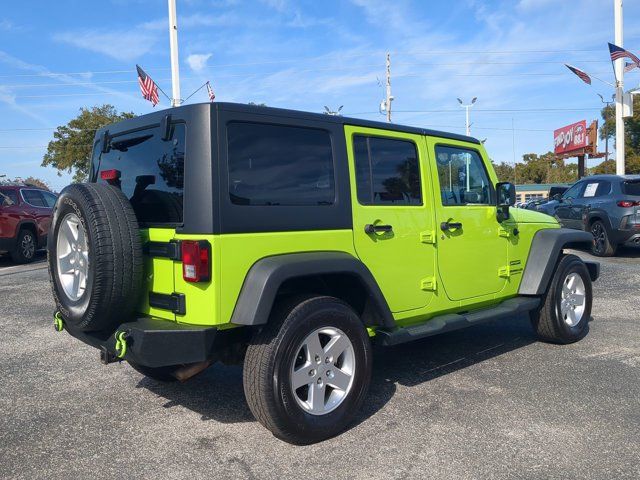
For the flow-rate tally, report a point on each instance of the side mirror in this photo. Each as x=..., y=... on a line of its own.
x=506, y=197
x=557, y=197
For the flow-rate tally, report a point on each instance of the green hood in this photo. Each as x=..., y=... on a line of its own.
x=522, y=215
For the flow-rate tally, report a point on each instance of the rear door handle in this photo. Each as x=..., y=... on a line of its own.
x=444, y=226
x=369, y=228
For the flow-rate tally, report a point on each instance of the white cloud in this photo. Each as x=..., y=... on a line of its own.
x=125, y=46
x=198, y=61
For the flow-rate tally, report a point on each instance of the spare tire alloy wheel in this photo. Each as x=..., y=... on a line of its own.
x=95, y=257
x=72, y=257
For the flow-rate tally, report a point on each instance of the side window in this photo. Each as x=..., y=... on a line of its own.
x=49, y=198
x=34, y=198
x=387, y=171
x=462, y=176
x=573, y=192
x=8, y=197
x=279, y=165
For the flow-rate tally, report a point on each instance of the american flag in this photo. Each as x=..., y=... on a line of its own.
x=619, y=52
x=148, y=87
x=628, y=66
x=583, y=75
x=212, y=96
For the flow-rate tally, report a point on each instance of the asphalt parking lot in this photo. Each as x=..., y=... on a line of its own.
x=486, y=402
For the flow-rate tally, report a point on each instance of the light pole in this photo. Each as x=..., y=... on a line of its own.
x=606, y=133
x=173, y=44
x=468, y=129
x=619, y=71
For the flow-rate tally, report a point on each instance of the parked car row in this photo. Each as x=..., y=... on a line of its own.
x=607, y=206
x=25, y=217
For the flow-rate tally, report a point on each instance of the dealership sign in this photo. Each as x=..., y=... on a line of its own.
x=570, y=138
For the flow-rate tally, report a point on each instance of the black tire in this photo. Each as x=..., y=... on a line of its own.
x=549, y=322
x=601, y=246
x=272, y=353
x=114, y=278
x=160, y=374
x=25, y=249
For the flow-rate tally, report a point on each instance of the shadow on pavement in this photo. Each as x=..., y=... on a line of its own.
x=217, y=394
x=6, y=261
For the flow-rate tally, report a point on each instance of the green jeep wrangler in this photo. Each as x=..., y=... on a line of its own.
x=292, y=242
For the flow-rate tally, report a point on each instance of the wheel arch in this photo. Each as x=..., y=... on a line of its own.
x=546, y=248
x=27, y=225
x=335, y=273
x=599, y=215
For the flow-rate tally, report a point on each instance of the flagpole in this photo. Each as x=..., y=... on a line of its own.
x=173, y=43
x=619, y=71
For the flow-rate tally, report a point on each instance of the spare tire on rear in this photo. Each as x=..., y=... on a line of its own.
x=95, y=257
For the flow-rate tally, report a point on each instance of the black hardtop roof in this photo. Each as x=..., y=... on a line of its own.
x=156, y=117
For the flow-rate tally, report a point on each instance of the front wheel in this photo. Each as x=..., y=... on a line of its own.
x=566, y=309
x=307, y=372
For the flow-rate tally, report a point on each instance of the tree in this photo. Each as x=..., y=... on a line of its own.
x=631, y=137
x=27, y=181
x=504, y=171
x=70, y=149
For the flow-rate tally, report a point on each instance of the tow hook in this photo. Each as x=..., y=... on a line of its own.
x=121, y=344
x=58, y=322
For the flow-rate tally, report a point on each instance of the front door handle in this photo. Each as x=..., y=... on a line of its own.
x=370, y=228
x=445, y=226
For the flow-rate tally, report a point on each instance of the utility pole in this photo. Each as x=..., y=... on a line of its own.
x=173, y=43
x=619, y=70
x=388, y=97
x=468, y=130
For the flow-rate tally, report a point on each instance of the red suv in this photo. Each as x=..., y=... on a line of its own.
x=25, y=216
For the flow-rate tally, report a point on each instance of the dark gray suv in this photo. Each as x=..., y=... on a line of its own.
x=608, y=206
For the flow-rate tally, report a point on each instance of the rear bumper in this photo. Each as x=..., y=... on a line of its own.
x=157, y=343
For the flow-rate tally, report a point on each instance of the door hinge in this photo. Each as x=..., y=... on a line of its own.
x=428, y=284
x=508, y=270
x=428, y=237
x=504, y=232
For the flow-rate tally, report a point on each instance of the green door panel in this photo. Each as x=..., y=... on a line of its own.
x=402, y=261
x=471, y=259
x=158, y=273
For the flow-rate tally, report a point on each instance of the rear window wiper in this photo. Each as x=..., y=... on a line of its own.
x=124, y=145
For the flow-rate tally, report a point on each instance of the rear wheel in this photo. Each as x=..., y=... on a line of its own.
x=307, y=372
x=566, y=309
x=25, y=249
x=602, y=246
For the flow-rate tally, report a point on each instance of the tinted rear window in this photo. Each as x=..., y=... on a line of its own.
x=279, y=165
x=631, y=188
x=151, y=172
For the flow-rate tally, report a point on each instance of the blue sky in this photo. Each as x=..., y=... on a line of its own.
x=56, y=57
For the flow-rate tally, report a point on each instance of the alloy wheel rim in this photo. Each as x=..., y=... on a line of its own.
x=323, y=370
x=599, y=237
x=28, y=246
x=72, y=257
x=573, y=299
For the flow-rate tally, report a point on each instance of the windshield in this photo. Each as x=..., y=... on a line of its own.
x=149, y=170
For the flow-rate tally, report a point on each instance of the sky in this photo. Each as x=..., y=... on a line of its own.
x=56, y=57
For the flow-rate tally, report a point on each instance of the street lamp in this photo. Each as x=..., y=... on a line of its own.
x=468, y=128
x=606, y=137
x=467, y=107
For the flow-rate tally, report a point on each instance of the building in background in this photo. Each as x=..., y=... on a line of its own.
x=539, y=191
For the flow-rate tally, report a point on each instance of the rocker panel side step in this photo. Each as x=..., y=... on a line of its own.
x=456, y=321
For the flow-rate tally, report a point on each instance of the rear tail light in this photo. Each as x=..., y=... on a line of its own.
x=110, y=175
x=196, y=261
x=628, y=203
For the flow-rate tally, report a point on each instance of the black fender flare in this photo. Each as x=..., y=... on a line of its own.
x=265, y=277
x=599, y=215
x=545, y=251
